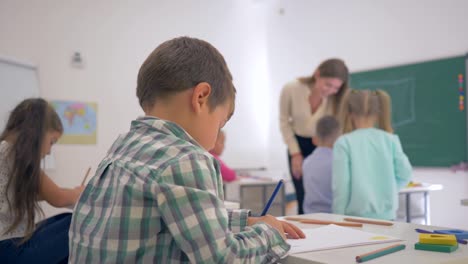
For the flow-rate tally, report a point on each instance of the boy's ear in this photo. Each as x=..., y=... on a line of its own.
x=315, y=141
x=200, y=95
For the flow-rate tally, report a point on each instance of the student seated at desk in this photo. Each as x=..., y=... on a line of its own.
x=317, y=167
x=157, y=196
x=369, y=166
x=31, y=130
x=227, y=173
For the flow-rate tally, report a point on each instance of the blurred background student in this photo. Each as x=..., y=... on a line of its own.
x=369, y=166
x=33, y=127
x=302, y=103
x=317, y=167
x=227, y=173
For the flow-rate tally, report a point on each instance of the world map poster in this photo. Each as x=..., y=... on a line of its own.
x=79, y=120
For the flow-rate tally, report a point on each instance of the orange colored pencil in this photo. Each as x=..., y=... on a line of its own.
x=365, y=221
x=321, y=222
x=294, y=218
x=304, y=220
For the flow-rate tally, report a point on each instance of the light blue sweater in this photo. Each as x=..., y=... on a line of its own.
x=316, y=175
x=369, y=168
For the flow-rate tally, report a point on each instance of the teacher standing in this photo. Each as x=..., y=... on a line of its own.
x=303, y=102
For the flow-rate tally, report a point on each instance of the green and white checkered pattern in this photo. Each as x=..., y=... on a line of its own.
x=157, y=197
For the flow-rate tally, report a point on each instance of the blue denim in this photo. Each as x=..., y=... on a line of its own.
x=48, y=244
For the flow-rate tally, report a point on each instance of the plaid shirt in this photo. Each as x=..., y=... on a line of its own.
x=157, y=197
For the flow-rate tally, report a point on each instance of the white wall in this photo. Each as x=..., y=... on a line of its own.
x=263, y=48
x=114, y=38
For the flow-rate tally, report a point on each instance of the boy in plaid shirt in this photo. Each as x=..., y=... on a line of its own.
x=157, y=196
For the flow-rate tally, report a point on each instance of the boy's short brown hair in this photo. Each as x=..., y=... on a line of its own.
x=180, y=64
x=327, y=128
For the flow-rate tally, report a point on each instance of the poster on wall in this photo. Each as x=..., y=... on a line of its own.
x=79, y=121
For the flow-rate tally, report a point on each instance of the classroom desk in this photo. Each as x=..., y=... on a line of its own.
x=231, y=205
x=425, y=189
x=244, y=184
x=400, y=230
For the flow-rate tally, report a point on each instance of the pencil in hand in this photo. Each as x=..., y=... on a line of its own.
x=86, y=176
x=270, y=201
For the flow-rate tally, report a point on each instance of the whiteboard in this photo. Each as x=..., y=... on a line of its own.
x=18, y=81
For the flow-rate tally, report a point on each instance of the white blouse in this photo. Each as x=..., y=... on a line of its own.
x=6, y=216
x=296, y=117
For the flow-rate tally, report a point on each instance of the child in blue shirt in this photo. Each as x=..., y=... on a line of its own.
x=369, y=166
x=317, y=167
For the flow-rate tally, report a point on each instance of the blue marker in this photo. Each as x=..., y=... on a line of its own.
x=273, y=195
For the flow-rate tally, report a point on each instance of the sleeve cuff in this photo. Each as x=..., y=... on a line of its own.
x=238, y=220
x=278, y=246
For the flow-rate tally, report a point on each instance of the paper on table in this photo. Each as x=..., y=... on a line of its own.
x=333, y=236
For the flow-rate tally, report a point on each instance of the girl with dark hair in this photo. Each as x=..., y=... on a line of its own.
x=303, y=102
x=32, y=128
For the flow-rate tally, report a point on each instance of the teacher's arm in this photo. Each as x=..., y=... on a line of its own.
x=285, y=116
x=288, y=133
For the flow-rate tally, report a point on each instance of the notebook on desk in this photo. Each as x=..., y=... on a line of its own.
x=333, y=237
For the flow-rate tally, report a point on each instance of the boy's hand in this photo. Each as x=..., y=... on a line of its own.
x=286, y=229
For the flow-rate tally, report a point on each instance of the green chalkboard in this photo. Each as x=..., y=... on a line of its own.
x=426, y=114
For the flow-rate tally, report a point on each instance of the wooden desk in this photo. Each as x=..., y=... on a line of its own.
x=404, y=231
x=425, y=189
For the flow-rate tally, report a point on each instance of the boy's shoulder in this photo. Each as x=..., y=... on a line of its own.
x=157, y=143
x=319, y=155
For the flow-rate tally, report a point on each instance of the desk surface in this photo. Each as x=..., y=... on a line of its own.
x=269, y=181
x=424, y=188
x=404, y=231
x=257, y=181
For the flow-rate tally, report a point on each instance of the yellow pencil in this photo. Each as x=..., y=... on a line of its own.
x=86, y=176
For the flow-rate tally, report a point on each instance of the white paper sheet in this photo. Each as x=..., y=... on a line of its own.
x=333, y=236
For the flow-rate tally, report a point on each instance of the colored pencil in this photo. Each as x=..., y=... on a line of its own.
x=294, y=218
x=321, y=222
x=86, y=176
x=380, y=252
x=304, y=220
x=273, y=195
x=365, y=221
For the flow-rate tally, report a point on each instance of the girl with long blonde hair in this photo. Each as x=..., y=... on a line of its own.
x=369, y=165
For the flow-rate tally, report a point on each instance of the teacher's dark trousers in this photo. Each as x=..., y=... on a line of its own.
x=306, y=146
